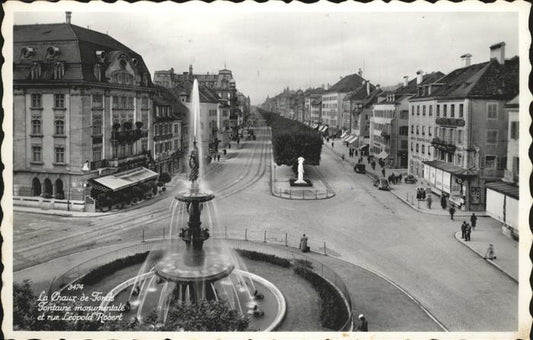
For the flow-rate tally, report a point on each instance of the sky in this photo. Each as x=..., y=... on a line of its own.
x=268, y=51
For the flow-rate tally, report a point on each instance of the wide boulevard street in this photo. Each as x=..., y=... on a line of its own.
x=360, y=224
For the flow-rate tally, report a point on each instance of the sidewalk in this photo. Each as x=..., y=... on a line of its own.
x=405, y=192
x=505, y=248
x=487, y=230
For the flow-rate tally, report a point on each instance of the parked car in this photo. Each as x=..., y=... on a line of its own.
x=382, y=183
x=359, y=168
x=410, y=179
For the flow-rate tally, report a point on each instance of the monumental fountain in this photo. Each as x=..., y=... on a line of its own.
x=194, y=267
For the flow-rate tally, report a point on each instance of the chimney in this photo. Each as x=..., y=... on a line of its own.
x=368, y=88
x=360, y=72
x=378, y=87
x=466, y=59
x=68, y=16
x=405, y=80
x=497, y=51
x=419, y=76
x=190, y=72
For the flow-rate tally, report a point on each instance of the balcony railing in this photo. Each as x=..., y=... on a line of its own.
x=457, y=122
x=444, y=145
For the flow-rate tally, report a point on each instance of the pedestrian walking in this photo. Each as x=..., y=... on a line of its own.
x=490, y=254
x=443, y=201
x=303, y=244
x=363, y=326
x=400, y=178
x=218, y=157
x=473, y=220
x=452, y=211
x=332, y=144
x=383, y=172
x=463, y=230
x=429, y=201
x=468, y=231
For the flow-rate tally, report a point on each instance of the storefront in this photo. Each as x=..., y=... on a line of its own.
x=452, y=181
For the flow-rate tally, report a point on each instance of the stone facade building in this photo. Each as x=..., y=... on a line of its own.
x=75, y=92
x=468, y=126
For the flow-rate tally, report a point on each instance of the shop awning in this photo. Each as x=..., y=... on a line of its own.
x=508, y=189
x=324, y=128
x=451, y=168
x=344, y=134
x=352, y=139
x=345, y=138
x=126, y=179
x=363, y=146
x=383, y=155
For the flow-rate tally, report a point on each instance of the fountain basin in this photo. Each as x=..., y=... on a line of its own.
x=273, y=304
x=188, y=265
x=194, y=196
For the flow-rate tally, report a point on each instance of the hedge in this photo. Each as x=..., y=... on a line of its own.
x=101, y=272
x=333, y=313
x=256, y=256
x=292, y=139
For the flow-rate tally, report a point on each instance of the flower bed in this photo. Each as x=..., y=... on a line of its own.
x=256, y=256
x=101, y=272
x=333, y=313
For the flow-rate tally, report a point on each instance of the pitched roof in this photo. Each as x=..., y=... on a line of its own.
x=485, y=80
x=347, y=84
x=359, y=93
x=206, y=95
x=165, y=97
x=412, y=85
x=78, y=46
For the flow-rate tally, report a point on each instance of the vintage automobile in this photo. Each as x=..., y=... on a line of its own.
x=382, y=183
x=359, y=168
x=410, y=179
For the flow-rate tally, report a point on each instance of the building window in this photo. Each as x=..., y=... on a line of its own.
x=502, y=162
x=423, y=149
x=130, y=102
x=412, y=146
x=115, y=102
x=36, y=100
x=513, y=134
x=59, y=126
x=123, y=102
x=430, y=110
x=412, y=110
x=36, y=153
x=404, y=130
x=144, y=102
x=452, y=110
x=438, y=110
x=492, y=111
x=444, y=110
x=35, y=72
x=459, y=159
x=490, y=162
x=97, y=125
x=417, y=147
x=97, y=153
x=459, y=136
x=461, y=110
x=412, y=129
x=36, y=127
x=423, y=130
x=144, y=144
x=417, y=130
x=423, y=110
x=492, y=136
x=60, y=154
x=98, y=101
x=418, y=110
x=59, y=100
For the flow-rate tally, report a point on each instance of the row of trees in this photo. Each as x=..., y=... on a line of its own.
x=292, y=139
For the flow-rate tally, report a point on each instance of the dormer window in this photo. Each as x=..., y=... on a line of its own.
x=26, y=52
x=59, y=70
x=35, y=70
x=98, y=72
x=100, y=56
x=52, y=52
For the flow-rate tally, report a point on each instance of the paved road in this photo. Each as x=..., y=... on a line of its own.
x=364, y=226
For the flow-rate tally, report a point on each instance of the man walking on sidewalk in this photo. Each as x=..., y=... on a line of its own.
x=452, y=211
x=467, y=232
x=429, y=201
x=473, y=220
x=463, y=230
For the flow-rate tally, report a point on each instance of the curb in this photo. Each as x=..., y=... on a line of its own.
x=494, y=264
